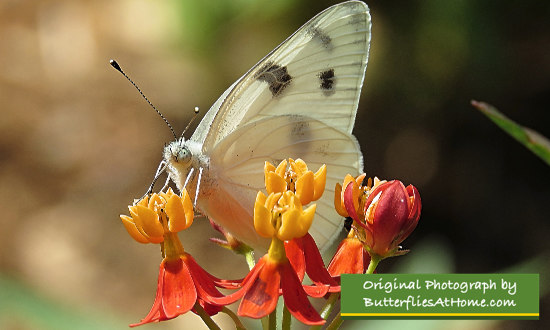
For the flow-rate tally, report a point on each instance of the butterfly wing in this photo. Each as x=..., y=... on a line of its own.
x=236, y=166
x=318, y=72
x=314, y=79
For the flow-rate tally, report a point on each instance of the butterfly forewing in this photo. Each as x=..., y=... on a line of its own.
x=316, y=72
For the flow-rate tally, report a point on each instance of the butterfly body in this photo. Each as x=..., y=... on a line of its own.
x=300, y=101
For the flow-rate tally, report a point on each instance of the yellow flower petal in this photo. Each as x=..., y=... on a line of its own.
x=307, y=218
x=143, y=202
x=360, y=178
x=296, y=223
x=305, y=187
x=132, y=229
x=290, y=225
x=156, y=202
x=268, y=167
x=271, y=200
x=281, y=168
x=320, y=182
x=339, y=201
x=148, y=220
x=299, y=167
x=180, y=212
x=262, y=217
x=274, y=183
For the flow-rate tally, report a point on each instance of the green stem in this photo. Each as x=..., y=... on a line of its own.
x=374, y=260
x=336, y=323
x=327, y=309
x=287, y=319
x=273, y=320
x=206, y=318
x=235, y=318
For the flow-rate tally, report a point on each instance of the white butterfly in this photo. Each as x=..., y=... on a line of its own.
x=299, y=101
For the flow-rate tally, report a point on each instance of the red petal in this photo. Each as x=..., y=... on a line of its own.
x=204, y=284
x=179, y=294
x=348, y=202
x=390, y=216
x=315, y=267
x=295, y=298
x=318, y=291
x=295, y=254
x=262, y=296
x=414, y=213
x=247, y=282
x=349, y=258
x=155, y=314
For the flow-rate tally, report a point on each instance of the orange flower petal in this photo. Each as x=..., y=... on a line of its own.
x=320, y=180
x=262, y=296
x=339, y=201
x=262, y=217
x=296, y=299
x=305, y=187
x=148, y=220
x=132, y=229
x=299, y=167
x=274, y=183
x=281, y=168
x=350, y=258
x=178, y=294
x=180, y=212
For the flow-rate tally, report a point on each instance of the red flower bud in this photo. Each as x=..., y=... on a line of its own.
x=391, y=214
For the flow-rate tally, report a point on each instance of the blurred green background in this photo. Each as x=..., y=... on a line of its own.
x=78, y=144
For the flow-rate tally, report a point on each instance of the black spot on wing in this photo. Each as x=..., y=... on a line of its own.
x=328, y=81
x=275, y=76
x=318, y=34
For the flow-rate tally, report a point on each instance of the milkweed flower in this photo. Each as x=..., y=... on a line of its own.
x=182, y=283
x=302, y=250
x=387, y=212
x=279, y=216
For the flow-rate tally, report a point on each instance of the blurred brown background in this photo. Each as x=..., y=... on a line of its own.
x=78, y=144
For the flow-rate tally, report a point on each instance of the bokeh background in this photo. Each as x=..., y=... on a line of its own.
x=78, y=144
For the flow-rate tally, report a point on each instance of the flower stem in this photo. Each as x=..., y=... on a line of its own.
x=286, y=319
x=374, y=260
x=235, y=318
x=205, y=317
x=336, y=323
x=325, y=312
x=272, y=320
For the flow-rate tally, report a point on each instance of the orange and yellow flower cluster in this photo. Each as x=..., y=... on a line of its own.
x=383, y=213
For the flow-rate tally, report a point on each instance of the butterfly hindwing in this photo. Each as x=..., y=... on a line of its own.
x=238, y=160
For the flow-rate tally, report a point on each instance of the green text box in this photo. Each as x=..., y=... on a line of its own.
x=440, y=296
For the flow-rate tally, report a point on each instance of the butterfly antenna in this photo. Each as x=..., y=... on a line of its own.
x=115, y=65
x=191, y=121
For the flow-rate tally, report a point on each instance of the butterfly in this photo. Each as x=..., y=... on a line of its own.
x=299, y=101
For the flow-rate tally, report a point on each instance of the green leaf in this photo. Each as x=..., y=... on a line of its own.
x=531, y=139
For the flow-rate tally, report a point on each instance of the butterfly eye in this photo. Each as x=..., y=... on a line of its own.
x=182, y=155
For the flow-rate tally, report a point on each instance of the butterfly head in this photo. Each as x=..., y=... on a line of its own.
x=183, y=160
x=177, y=153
